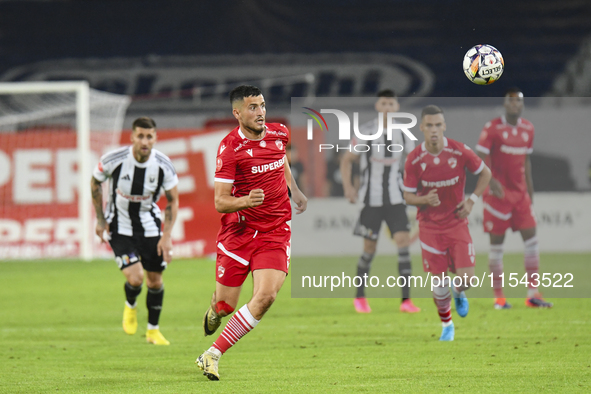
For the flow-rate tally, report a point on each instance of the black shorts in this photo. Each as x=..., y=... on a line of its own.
x=370, y=220
x=132, y=250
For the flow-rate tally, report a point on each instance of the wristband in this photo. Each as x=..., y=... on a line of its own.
x=474, y=198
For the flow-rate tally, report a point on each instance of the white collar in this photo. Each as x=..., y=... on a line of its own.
x=424, y=148
x=241, y=134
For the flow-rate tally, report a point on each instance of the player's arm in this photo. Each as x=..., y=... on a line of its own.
x=528, y=178
x=464, y=208
x=164, y=246
x=296, y=194
x=225, y=202
x=97, y=200
x=495, y=186
x=431, y=198
x=346, y=166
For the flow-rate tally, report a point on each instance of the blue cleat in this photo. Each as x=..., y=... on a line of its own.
x=461, y=302
x=447, y=334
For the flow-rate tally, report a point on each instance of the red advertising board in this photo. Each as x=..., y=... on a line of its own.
x=39, y=199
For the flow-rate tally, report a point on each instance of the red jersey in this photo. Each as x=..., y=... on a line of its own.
x=445, y=172
x=507, y=147
x=256, y=164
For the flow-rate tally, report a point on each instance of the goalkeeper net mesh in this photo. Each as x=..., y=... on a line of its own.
x=39, y=179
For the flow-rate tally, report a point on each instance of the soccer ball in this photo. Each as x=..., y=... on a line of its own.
x=483, y=64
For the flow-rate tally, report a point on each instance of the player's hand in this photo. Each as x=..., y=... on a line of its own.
x=464, y=208
x=164, y=248
x=496, y=188
x=256, y=198
x=101, y=230
x=301, y=201
x=433, y=198
x=351, y=194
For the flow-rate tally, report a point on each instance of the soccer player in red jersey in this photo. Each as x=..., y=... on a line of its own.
x=434, y=180
x=251, y=190
x=506, y=143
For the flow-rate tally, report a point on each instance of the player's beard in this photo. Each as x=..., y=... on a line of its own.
x=142, y=155
x=257, y=129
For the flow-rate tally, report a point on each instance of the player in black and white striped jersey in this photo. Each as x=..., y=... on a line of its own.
x=382, y=198
x=137, y=174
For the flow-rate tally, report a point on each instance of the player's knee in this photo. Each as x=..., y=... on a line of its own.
x=223, y=309
x=135, y=281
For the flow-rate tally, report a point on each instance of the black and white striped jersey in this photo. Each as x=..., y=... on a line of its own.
x=134, y=189
x=381, y=180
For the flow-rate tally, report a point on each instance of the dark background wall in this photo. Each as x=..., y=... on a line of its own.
x=535, y=37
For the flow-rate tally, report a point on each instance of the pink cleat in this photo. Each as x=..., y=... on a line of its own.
x=408, y=307
x=361, y=305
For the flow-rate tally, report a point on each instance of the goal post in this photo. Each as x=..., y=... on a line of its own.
x=97, y=118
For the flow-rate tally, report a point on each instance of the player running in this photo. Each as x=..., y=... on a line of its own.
x=251, y=190
x=137, y=174
x=434, y=180
x=506, y=142
x=382, y=200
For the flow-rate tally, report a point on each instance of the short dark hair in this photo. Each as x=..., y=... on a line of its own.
x=144, y=122
x=513, y=89
x=387, y=93
x=431, y=110
x=242, y=91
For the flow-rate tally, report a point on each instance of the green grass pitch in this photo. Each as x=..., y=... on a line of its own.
x=60, y=331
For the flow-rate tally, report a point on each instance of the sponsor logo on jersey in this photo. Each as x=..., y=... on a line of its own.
x=423, y=166
x=447, y=182
x=268, y=167
x=222, y=148
x=100, y=166
x=514, y=150
x=132, y=198
x=126, y=178
x=249, y=151
x=152, y=179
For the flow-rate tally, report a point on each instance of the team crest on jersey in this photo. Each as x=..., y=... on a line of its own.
x=505, y=134
x=423, y=166
x=221, y=271
x=453, y=162
x=436, y=160
x=279, y=144
x=249, y=151
x=525, y=136
x=263, y=144
x=514, y=131
x=100, y=166
x=489, y=225
x=219, y=164
x=222, y=148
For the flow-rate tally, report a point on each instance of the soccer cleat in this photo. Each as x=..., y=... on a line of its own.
x=408, y=307
x=447, y=334
x=208, y=363
x=461, y=302
x=211, y=322
x=537, y=302
x=361, y=305
x=129, y=320
x=156, y=337
x=501, y=303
